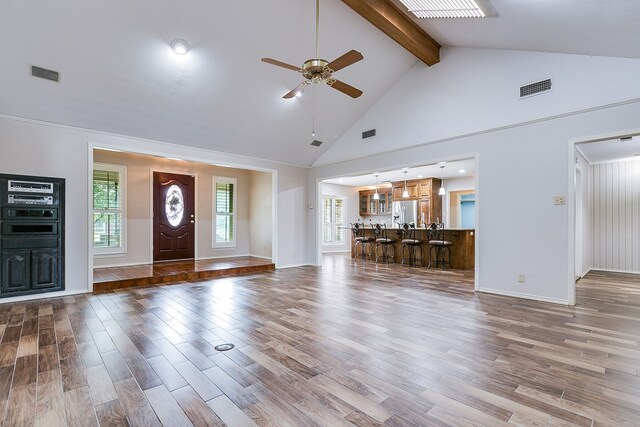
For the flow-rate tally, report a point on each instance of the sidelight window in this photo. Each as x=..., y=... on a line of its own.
x=333, y=218
x=108, y=208
x=224, y=207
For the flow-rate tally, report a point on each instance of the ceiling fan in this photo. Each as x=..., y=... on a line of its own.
x=318, y=70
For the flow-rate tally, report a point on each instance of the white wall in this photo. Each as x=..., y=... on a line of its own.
x=522, y=147
x=616, y=216
x=476, y=90
x=352, y=212
x=260, y=210
x=36, y=148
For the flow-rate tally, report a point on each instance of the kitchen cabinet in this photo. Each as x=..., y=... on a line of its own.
x=425, y=191
x=370, y=206
x=398, y=189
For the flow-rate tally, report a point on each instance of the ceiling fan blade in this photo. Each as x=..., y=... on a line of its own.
x=345, y=60
x=346, y=89
x=280, y=64
x=293, y=91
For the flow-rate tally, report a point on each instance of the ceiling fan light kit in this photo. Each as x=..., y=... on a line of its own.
x=317, y=70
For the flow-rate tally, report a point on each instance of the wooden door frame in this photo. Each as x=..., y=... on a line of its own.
x=195, y=209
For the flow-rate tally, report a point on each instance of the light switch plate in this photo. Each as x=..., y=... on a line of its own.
x=559, y=200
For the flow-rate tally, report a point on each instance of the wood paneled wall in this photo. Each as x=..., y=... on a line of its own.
x=616, y=216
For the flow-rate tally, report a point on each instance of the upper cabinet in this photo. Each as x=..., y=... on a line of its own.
x=370, y=206
x=426, y=192
x=398, y=189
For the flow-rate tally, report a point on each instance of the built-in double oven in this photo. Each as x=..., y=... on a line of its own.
x=31, y=235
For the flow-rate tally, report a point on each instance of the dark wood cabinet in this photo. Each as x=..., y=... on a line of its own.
x=31, y=235
x=16, y=270
x=425, y=191
x=370, y=206
x=398, y=190
x=44, y=268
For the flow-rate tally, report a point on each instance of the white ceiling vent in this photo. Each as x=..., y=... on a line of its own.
x=535, y=88
x=43, y=73
x=368, y=133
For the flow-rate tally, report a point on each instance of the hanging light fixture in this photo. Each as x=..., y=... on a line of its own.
x=405, y=193
x=376, y=196
x=442, y=191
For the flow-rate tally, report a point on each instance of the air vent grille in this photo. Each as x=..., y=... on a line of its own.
x=43, y=73
x=368, y=133
x=535, y=88
x=316, y=143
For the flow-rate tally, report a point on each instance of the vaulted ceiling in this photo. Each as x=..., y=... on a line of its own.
x=119, y=75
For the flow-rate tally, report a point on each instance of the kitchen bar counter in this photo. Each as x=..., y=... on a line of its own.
x=462, y=250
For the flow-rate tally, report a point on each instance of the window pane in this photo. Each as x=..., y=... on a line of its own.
x=328, y=233
x=106, y=190
x=224, y=212
x=339, y=219
x=106, y=230
x=224, y=198
x=339, y=234
x=327, y=212
x=224, y=228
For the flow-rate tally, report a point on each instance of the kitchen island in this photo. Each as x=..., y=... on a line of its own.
x=462, y=250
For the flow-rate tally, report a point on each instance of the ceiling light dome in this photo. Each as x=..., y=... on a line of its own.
x=180, y=46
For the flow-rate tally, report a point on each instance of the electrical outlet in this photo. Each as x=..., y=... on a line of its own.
x=521, y=278
x=559, y=200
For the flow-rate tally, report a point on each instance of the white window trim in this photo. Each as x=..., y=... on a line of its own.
x=233, y=243
x=122, y=249
x=344, y=208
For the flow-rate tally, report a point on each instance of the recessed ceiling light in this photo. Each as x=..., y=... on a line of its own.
x=341, y=180
x=180, y=46
x=441, y=163
x=462, y=171
x=446, y=8
x=419, y=176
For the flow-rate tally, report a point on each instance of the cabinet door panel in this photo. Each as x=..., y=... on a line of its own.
x=16, y=266
x=44, y=268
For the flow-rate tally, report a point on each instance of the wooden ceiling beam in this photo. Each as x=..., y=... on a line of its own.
x=390, y=20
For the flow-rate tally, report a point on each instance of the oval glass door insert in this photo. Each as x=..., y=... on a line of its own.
x=174, y=205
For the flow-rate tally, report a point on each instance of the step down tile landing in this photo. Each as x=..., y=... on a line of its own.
x=110, y=278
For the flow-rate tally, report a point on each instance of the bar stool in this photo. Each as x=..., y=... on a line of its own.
x=438, y=246
x=359, y=238
x=411, y=244
x=380, y=234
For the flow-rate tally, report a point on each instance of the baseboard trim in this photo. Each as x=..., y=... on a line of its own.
x=524, y=296
x=260, y=256
x=279, y=267
x=610, y=270
x=59, y=294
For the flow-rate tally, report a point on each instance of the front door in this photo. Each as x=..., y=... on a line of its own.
x=173, y=216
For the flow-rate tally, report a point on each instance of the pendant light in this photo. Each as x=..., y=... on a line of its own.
x=405, y=193
x=376, y=196
x=442, y=191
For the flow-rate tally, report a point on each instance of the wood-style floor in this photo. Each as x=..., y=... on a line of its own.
x=348, y=344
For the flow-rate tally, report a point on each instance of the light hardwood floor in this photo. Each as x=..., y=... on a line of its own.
x=348, y=344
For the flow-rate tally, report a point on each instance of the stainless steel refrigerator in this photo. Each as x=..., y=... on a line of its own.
x=405, y=211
